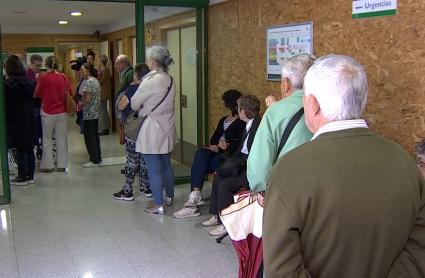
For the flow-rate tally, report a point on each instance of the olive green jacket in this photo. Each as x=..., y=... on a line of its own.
x=348, y=204
x=125, y=79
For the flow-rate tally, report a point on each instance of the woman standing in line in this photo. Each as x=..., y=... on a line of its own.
x=51, y=88
x=20, y=125
x=105, y=94
x=157, y=136
x=135, y=164
x=91, y=103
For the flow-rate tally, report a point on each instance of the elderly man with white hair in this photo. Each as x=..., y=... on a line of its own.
x=264, y=152
x=349, y=203
x=124, y=68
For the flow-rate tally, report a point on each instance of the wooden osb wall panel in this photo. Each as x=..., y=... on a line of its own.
x=391, y=49
x=18, y=43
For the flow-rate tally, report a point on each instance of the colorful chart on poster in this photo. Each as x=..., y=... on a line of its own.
x=284, y=42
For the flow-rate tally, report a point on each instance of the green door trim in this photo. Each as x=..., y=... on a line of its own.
x=202, y=57
x=5, y=199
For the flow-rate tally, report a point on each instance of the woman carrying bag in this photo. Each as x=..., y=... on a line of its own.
x=154, y=99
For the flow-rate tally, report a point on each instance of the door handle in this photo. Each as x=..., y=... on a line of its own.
x=183, y=101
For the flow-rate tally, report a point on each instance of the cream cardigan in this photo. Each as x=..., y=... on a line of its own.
x=158, y=134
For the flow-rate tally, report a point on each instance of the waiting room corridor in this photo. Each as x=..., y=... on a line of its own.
x=68, y=225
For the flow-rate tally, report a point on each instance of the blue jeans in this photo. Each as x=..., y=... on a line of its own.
x=160, y=174
x=26, y=164
x=204, y=162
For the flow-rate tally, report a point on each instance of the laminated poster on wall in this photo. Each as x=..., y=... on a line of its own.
x=284, y=42
x=370, y=8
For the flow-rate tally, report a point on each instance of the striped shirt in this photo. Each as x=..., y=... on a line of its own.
x=340, y=125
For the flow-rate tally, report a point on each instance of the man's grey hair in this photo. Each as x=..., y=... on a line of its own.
x=161, y=55
x=122, y=58
x=339, y=84
x=295, y=69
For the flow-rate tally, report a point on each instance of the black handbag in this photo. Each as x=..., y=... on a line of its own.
x=133, y=123
x=232, y=167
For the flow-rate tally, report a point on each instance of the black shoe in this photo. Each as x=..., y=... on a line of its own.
x=104, y=132
x=19, y=181
x=121, y=195
x=146, y=192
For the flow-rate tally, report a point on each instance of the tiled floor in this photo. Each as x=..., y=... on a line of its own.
x=68, y=225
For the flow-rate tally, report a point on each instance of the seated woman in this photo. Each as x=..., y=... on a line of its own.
x=223, y=188
x=134, y=160
x=224, y=142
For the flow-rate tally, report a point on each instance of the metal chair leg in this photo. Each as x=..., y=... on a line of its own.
x=218, y=240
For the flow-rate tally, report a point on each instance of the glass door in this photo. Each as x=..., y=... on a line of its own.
x=4, y=168
x=182, y=43
x=178, y=29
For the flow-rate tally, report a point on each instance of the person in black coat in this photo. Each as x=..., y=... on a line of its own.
x=225, y=187
x=223, y=143
x=20, y=126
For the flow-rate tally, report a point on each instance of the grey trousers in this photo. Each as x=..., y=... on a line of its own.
x=54, y=124
x=103, y=116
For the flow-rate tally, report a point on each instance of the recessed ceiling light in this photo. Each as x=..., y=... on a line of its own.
x=63, y=22
x=76, y=13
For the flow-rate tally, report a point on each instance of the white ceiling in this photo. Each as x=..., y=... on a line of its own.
x=41, y=16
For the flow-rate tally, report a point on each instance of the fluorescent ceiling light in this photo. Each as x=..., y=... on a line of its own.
x=76, y=13
x=63, y=22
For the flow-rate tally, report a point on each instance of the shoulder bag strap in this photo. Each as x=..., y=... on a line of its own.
x=168, y=91
x=289, y=127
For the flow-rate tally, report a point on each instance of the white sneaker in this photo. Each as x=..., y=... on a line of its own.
x=218, y=231
x=187, y=212
x=155, y=210
x=210, y=222
x=90, y=165
x=194, y=199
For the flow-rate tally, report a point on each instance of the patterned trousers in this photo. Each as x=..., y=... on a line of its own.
x=134, y=164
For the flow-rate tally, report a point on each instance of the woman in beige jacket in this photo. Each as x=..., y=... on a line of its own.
x=158, y=135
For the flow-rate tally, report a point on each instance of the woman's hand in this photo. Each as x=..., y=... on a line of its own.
x=270, y=100
x=222, y=144
x=123, y=103
x=213, y=148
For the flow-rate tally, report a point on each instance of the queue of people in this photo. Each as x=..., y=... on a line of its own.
x=340, y=200
x=330, y=188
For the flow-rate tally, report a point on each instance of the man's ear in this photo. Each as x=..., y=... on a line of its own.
x=285, y=87
x=314, y=105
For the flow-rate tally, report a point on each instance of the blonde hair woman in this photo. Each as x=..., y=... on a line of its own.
x=51, y=88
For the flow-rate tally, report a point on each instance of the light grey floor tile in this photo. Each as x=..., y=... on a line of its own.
x=48, y=267
x=166, y=268
x=9, y=272
x=112, y=261
x=225, y=259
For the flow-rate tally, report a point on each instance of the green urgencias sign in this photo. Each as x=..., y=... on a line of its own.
x=369, y=8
